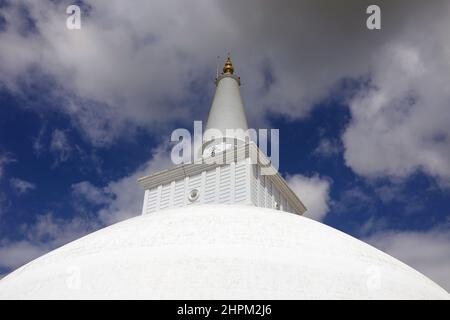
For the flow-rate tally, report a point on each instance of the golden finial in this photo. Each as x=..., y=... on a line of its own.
x=228, y=68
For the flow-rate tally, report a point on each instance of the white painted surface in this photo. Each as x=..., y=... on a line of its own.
x=218, y=252
x=227, y=109
x=230, y=179
x=265, y=194
x=222, y=184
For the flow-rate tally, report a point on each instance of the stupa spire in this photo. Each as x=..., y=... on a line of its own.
x=227, y=112
x=245, y=176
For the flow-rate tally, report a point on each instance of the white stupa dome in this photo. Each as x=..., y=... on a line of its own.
x=218, y=252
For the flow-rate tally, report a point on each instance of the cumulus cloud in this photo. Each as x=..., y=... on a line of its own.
x=130, y=61
x=115, y=73
x=353, y=199
x=327, y=148
x=90, y=193
x=59, y=146
x=400, y=122
x=428, y=251
x=21, y=186
x=314, y=192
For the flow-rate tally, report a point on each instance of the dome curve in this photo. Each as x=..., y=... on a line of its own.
x=218, y=252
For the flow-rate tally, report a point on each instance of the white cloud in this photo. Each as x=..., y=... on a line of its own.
x=327, y=148
x=353, y=199
x=125, y=67
x=314, y=192
x=428, y=252
x=21, y=186
x=45, y=234
x=90, y=193
x=132, y=61
x=38, y=143
x=15, y=254
x=59, y=146
x=401, y=123
x=5, y=158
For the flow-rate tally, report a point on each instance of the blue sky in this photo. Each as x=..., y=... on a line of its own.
x=363, y=115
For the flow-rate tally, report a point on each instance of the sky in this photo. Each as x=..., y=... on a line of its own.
x=363, y=114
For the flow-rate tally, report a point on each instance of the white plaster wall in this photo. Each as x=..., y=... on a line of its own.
x=225, y=184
